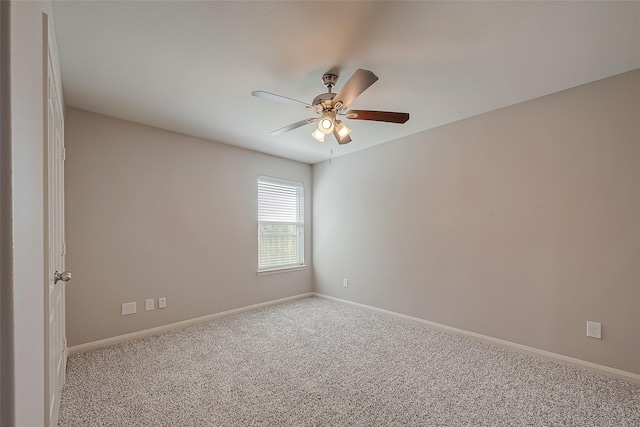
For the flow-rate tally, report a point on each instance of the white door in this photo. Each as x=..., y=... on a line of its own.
x=57, y=351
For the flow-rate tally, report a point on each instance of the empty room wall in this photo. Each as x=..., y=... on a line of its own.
x=151, y=213
x=519, y=224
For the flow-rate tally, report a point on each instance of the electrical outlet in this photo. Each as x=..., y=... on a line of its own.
x=594, y=330
x=162, y=302
x=345, y=283
x=149, y=304
x=128, y=308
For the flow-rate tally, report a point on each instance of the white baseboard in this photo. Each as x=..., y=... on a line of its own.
x=547, y=355
x=177, y=325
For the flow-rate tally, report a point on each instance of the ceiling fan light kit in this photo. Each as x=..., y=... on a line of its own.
x=326, y=123
x=342, y=129
x=318, y=135
x=331, y=105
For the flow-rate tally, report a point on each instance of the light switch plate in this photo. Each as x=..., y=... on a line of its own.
x=162, y=302
x=149, y=304
x=128, y=308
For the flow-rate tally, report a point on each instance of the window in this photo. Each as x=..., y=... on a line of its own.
x=280, y=223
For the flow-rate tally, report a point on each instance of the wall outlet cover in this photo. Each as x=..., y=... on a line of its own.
x=345, y=283
x=594, y=330
x=162, y=302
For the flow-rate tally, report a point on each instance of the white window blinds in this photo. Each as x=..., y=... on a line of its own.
x=280, y=223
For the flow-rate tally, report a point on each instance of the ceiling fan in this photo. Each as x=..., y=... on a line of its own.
x=329, y=106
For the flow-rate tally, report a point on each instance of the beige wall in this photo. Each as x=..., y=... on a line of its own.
x=519, y=224
x=152, y=213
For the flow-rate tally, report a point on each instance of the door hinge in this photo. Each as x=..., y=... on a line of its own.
x=64, y=249
x=49, y=87
x=64, y=344
x=63, y=154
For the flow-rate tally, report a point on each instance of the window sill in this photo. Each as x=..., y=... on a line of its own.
x=281, y=270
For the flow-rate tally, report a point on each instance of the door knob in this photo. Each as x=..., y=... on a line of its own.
x=64, y=276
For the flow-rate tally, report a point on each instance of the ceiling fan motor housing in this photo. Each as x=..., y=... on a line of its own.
x=324, y=100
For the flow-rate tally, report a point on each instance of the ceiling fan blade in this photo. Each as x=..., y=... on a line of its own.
x=345, y=140
x=358, y=83
x=377, y=116
x=295, y=125
x=285, y=100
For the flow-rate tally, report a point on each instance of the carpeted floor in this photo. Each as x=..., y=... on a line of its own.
x=314, y=362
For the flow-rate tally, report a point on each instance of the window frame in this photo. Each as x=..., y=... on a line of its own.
x=300, y=214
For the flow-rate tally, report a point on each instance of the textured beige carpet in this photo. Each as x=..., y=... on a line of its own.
x=314, y=362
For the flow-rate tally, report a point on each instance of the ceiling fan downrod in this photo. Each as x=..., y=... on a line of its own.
x=323, y=101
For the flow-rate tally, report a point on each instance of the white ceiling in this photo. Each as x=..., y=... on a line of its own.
x=190, y=67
